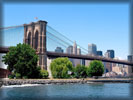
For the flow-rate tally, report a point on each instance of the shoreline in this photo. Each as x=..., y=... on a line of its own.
x=8, y=82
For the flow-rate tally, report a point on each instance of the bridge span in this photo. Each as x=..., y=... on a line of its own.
x=85, y=57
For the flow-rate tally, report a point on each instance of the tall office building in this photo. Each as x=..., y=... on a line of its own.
x=99, y=53
x=59, y=50
x=107, y=55
x=130, y=57
x=92, y=49
x=108, y=66
x=78, y=61
x=78, y=51
x=69, y=50
x=74, y=48
x=111, y=53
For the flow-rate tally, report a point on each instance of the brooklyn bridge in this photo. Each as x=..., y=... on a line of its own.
x=44, y=39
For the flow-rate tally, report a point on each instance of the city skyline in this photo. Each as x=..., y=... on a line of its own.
x=92, y=50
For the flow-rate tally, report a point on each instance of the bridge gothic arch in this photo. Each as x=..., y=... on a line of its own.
x=29, y=38
x=35, y=36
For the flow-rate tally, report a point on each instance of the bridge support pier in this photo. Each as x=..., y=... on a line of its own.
x=35, y=36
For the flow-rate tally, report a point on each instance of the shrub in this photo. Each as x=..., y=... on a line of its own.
x=25, y=77
x=80, y=71
x=60, y=68
x=44, y=74
x=17, y=75
x=11, y=76
x=96, y=68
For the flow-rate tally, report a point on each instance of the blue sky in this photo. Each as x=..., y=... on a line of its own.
x=106, y=25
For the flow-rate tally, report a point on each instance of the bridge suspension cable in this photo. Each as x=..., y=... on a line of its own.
x=70, y=42
x=10, y=27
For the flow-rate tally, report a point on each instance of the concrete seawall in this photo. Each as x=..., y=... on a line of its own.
x=7, y=82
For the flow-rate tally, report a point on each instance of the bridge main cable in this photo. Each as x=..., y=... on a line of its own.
x=1, y=28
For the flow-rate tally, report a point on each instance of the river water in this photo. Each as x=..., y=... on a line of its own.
x=93, y=91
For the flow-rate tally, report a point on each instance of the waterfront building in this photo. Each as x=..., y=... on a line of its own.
x=121, y=69
x=107, y=65
x=4, y=73
x=99, y=53
x=59, y=50
x=83, y=62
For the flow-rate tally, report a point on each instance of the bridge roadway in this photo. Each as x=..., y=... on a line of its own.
x=85, y=57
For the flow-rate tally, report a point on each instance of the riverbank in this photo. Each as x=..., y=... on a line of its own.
x=7, y=82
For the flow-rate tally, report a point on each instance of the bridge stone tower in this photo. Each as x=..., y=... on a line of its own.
x=35, y=36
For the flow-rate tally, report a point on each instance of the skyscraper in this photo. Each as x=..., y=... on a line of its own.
x=92, y=49
x=78, y=51
x=111, y=53
x=69, y=50
x=99, y=53
x=75, y=48
x=59, y=50
x=130, y=57
x=78, y=61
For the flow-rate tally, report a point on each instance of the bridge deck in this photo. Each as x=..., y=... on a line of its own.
x=85, y=57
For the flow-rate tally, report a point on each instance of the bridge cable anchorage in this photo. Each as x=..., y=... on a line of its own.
x=67, y=38
x=10, y=27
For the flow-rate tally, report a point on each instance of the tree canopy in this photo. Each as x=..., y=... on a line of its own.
x=22, y=59
x=80, y=71
x=96, y=68
x=60, y=68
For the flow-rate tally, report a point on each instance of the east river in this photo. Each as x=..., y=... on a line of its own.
x=93, y=91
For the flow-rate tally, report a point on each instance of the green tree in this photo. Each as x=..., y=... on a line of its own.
x=18, y=76
x=80, y=71
x=60, y=68
x=96, y=68
x=44, y=74
x=22, y=59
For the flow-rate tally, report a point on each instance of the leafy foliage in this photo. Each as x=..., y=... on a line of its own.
x=22, y=60
x=18, y=75
x=96, y=68
x=60, y=68
x=44, y=74
x=80, y=71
